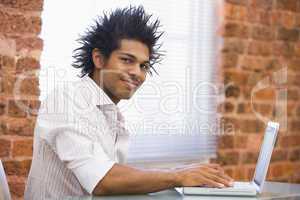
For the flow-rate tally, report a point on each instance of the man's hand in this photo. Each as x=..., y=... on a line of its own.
x=209, y=175
x=124, y=179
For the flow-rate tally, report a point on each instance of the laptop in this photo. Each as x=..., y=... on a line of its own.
x=246, y=188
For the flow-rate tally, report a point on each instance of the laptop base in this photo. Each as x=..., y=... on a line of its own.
x=238, y=189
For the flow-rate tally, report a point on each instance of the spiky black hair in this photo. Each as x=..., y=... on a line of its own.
x=127, y=23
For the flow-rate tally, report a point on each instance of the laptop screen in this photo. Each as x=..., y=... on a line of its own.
x=265, y=154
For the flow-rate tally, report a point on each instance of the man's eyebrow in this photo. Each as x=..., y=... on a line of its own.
x=133, y=57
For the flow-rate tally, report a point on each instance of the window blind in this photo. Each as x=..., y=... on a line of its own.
x=172, y=117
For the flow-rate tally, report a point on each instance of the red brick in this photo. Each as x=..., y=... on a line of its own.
x=240, y=141
x=233, y=45
x=294, y=64
x=264, y=109
x=294, y=154
x=254, y=63
x=19, y=126
x=27, y=64
x=260, y=48
x=32, y=5
x=229, y=171
x=265, y=94
x=264, y=33
x=290, y=5
x=289, y=168
x=282, y=48
x=28, y=86
x=274, y=42
x=279, y=155
x=252, y=15
x=238, y=2
x=229, y=60
x=251, y=126
x=29, y=44
x=226, y=107
x=229, y=126
x=16, y=24
x=254, y=78
x=22, y=147
x=244, y=108
x=249, y=157
x=7, y=47
x=295, y=178
x=288, y=34
x=293, y=80
x=18, y=168
x=295, y=127
x=240, y=173
x=293, y=94
x=297, y=49
x=8, y=83
x=276, y=170
x=17, y=188
x=262, y=4
x=273, y=65
x=297, y=20
x=265, y=17
x=7, y=63
x=236, y=78
x=5, y=147
x=259, y=16
x=250, y=172
x=298, y=111
x=247, y=92
x=232, y=91
x=34, y=106
x=289, y=141
x=3, y=105
x=228, y=158
x=17, y=108
x=226, y=142
x=235, y=12
x=232, y=29
x=284, y=19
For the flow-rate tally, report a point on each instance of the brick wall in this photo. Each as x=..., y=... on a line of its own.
x=259, y=38
x=20, y=48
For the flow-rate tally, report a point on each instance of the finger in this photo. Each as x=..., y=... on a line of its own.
x=222, y=179
x=215, y=171
x=211, y=183
x=220, y=171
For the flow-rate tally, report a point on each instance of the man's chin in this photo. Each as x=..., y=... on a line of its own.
x=126, y=95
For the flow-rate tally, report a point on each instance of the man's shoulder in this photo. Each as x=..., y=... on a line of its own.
x=67, y=95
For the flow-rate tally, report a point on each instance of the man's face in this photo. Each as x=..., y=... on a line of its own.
x=125, y=70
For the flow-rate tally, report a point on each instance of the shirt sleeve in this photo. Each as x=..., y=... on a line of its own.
x=73, y=138
x=84, y=157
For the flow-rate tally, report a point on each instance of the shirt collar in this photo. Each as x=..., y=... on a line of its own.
x=98, y=96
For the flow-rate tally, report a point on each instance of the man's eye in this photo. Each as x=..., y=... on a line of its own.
x=145, y=67
x=126, y=60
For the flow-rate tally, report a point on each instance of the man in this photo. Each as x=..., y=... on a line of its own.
x=80, y=141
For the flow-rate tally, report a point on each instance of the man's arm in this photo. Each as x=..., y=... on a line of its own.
x=123, y=179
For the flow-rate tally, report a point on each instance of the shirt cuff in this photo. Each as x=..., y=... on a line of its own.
x=92, y=172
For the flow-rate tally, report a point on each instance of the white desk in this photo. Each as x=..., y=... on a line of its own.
x=272, y=190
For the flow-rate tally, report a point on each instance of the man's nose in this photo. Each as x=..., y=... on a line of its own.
x=135, y=70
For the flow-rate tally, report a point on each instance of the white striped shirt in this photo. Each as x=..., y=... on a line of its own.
x=79, y=135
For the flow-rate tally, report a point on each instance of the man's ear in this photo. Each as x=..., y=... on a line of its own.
x=98, y=58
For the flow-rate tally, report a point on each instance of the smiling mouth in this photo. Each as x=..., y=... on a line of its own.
x=130, y=84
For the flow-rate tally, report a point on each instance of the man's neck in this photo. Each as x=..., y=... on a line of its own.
x=95, y=76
